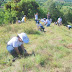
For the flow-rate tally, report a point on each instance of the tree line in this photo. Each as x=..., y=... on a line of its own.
x=16, y=9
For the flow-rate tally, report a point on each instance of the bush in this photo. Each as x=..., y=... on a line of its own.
x=28, y=8
x=1, y=17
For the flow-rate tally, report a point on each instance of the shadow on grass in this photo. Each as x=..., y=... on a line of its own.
x=33, y=32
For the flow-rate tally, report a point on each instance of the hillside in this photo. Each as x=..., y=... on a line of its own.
x=57, y=2
x=52, y=51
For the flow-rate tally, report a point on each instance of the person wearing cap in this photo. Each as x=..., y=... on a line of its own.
x=15, y=45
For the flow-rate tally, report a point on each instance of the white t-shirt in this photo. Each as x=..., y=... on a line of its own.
x=68, y=25
x=23, y=19
x=36, y=17
x=42, y=20
x=59, y=20
x=14, y=42
x=48, y=21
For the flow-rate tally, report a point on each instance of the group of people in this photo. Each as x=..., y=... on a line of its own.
x=23, y=20
x=15, y=45
x=46, y=22
x=59, y=22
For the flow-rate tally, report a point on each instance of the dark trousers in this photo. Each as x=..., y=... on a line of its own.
x=36, y=21
x=14, y=53
x=42, y=28
x=69, y=27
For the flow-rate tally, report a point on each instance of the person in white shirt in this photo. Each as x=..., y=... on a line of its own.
x=59, y=21
x=24, y=19
x=48, y=16
x=15, y=45
x=36, y=17
x=47, y=22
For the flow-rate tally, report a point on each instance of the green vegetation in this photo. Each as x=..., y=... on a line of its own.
x=15, y=9
x=51, y=51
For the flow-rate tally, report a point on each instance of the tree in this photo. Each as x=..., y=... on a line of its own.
x=68, y=16
x=55, y=13
x=1, y=18
x=24, y=7
x=16, y=1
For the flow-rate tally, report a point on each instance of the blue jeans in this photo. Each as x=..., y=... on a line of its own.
x=36, y=21
x=48, y=25
x=42, y=27
x=13, y=52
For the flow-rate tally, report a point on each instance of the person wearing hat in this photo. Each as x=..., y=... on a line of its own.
x=15, y=45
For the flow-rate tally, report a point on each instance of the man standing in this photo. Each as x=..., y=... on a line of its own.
x=59, y=21
x=36, y=17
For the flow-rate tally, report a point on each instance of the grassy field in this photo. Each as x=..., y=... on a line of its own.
x=52, y=49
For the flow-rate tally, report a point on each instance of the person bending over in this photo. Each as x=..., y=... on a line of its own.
x=69, y=26
x=40, y=27
x=15, y=45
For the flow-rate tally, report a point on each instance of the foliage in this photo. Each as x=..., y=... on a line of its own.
x=56, y=10
x=1, y=17
x=55, y=13
x=9, y=16
x=18, y=9
x=68, y=16
x=16, y=1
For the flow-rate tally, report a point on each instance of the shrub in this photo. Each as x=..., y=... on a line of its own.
x=13, y=10
x=1, y=17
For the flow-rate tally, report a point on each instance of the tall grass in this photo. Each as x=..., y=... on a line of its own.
x=50, y=48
